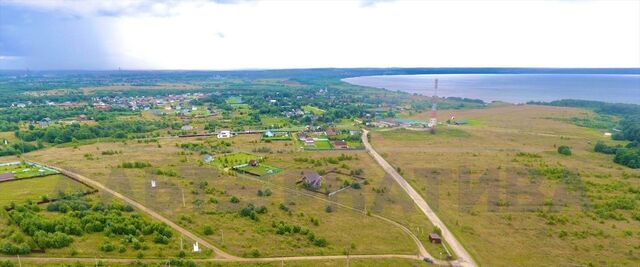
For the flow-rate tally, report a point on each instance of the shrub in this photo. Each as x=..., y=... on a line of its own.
x=234, y=199
x=328, y=209
x=107, y=247
x=208, y=230
x=564, y=150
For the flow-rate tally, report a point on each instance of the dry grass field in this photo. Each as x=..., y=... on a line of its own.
x=511, y=199
x=198, y=196
x=328, y=263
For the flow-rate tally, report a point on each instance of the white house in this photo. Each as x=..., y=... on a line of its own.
x=224, y=134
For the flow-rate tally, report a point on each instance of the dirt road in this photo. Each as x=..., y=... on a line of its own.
x=464, y=258
x=220, y=255
x=155, y=215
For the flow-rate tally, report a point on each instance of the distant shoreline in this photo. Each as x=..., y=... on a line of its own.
x=514, y=87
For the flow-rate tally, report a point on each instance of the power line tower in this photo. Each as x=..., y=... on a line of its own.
x=433, y=121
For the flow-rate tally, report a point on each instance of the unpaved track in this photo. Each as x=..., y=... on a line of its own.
x=220, y=255
x=464, y=258
x=155, y=215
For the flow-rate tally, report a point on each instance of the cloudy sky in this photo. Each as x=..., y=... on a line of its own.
x=231, y=34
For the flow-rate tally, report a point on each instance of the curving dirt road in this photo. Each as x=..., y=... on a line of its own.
x=221, y=255
x=464, y=258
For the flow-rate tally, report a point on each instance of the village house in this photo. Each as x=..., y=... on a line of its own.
x=435, y=238
x=44, y=123
x=332, y=131
x=187, y=128
x=224, y=134
x=312, y=180
x=309, y=141
x=341, y=144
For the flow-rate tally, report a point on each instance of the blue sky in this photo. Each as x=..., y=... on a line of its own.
x=228, y=34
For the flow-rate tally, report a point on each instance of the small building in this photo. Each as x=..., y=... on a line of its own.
x=607, y=134
x=302, y=136
x=309, y=141
x=253, y=163
x=187, y=128
x=44, y=123
x=341, y=144
x=82, y=117
x=332, y=131
x=196, y=247
x=224, y=134
x=207, y=158
x=312, y=180
x=153, y=184
x=435, y=238
x=269, y=133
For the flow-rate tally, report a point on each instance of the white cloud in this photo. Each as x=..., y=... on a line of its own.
x=295, y=34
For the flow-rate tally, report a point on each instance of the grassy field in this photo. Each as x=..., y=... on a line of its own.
x=260, y=170
x=511, y=199
x=233, y=159
x=203, y=196
x=313, y=110
x=319, y=144
x=35, y=189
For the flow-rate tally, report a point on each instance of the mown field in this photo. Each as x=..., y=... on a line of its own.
x=229, y=210
x=511, y=198
x=37, y=188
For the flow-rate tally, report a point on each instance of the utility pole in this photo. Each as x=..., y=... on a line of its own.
x=184, y=204
x=19, y=261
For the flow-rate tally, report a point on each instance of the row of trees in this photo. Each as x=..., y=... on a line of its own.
x=19, y=148
x=628, y=155
x=113, y=129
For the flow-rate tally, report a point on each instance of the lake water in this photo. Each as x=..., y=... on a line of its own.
x=514, y=88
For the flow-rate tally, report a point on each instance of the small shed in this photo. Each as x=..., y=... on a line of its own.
x=332, y=131
x=435, y=238
x=312, y=180
x=269, y=133
x=253, y=163
x=207, y=158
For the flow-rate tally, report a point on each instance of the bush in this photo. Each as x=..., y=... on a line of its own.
x=208, y=230
x=107, y=247
x=135, y=165
x=328, y=209
x=564, y=150
x=234, y=199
